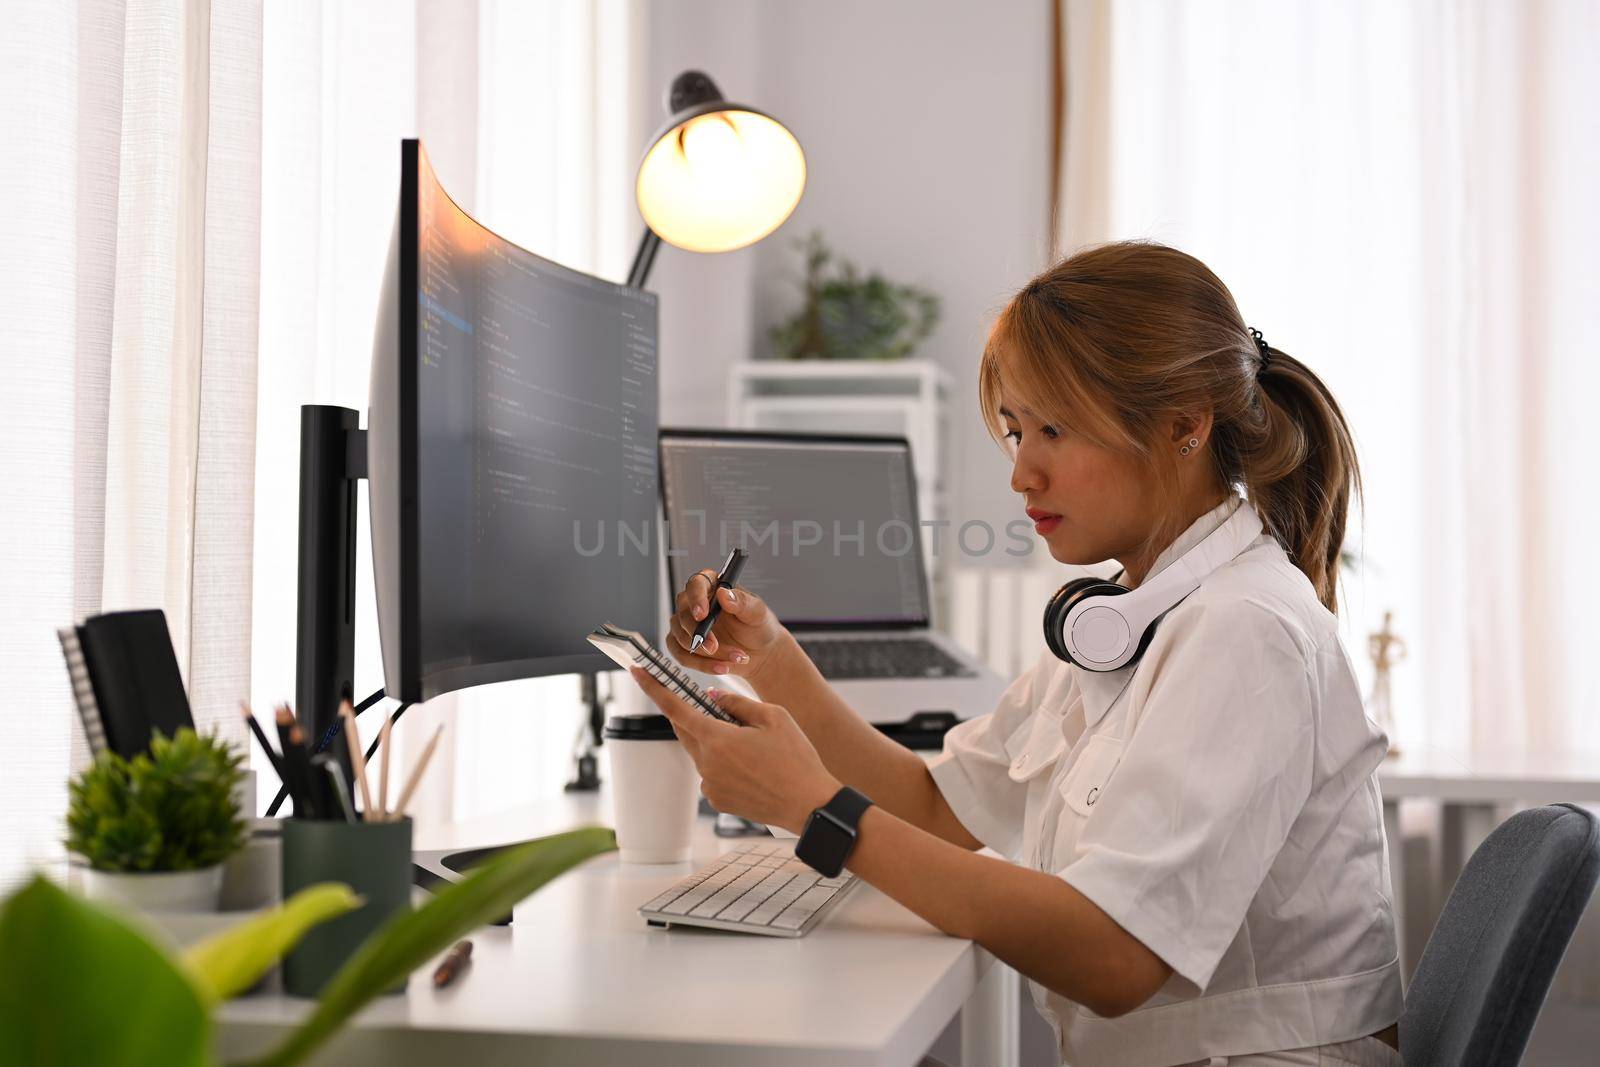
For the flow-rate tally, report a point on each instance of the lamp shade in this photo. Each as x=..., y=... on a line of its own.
x=719, y=176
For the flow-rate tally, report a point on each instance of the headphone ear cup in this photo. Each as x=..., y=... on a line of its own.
x=1055, y=612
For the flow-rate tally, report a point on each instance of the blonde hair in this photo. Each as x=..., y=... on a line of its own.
x=1119, y=338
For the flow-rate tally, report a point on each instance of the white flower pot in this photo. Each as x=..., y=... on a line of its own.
x=156, y=890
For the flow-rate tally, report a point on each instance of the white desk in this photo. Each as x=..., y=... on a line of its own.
x=580, y=979
x=1472, y=787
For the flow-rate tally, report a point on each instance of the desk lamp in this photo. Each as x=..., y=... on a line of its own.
x=718, y=176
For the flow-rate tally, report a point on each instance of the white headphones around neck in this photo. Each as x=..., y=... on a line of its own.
x=1098, y=625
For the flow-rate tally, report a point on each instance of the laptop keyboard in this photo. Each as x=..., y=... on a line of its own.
x=842, y=659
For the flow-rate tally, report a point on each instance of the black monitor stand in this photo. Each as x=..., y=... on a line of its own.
x=333, y=460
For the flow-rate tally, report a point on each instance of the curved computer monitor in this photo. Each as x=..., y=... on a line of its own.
x=511, y=454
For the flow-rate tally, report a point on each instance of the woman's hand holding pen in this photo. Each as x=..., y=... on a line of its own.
x=766, y=770
x=746, y=637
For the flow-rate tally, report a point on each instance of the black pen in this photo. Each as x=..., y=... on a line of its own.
x=297, y=764
x=725, y=580
x=261, y=739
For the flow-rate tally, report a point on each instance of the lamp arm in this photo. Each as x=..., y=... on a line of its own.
x=643, y=259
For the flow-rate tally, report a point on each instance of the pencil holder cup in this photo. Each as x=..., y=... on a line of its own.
x=374, y=860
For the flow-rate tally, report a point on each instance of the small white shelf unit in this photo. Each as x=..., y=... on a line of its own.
x=908, y=398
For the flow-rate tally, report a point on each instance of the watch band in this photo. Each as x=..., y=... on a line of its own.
x=831, y=832
x=847, y=807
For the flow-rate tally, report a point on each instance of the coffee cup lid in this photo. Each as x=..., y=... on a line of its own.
x=639, y=728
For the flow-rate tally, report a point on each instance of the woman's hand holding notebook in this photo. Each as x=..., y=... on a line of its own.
x=628, y=648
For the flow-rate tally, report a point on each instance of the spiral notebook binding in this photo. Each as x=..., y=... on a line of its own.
x=660, y=668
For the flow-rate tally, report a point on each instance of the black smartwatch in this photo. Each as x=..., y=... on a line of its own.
x=830, y=833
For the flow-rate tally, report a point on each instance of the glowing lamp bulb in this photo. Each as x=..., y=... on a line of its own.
x=717, y=176
x=711, y=145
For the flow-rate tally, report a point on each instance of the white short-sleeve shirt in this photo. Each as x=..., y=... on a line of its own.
x=1219, y=800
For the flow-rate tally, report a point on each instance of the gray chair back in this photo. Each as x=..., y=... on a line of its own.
x=1483, y=977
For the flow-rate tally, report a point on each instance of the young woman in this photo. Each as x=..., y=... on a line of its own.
x=1196, y=865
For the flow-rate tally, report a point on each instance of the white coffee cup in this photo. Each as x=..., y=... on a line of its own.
x=655, y=789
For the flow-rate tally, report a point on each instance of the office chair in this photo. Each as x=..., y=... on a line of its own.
x=1486, y=969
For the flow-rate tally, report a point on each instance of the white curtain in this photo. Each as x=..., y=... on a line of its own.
x=128, y=191
x=532, y=115
x=1402, y=195
x=171, y=167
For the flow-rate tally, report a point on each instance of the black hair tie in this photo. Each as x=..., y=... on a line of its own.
x=1262, y=347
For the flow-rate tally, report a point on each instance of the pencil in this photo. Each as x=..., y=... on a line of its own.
x=416, y=774
x=452, y=964
x=358, y=762
x=261, y=739
x=383, y=769
x=297, y=764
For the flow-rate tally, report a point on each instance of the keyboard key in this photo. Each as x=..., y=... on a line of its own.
x=657, y=903
x=740, y=909
x=882, y=658
x=796, y=914
x=782, y=899
x=689, y=900
x=729, y=893
x=680, y=888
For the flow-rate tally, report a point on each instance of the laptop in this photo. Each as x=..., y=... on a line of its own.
x=831, y=526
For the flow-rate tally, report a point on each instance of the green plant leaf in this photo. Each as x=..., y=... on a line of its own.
x=170, y=808
x=848, y=316
x=228, y=963
x=80, y=986
x=409, y=940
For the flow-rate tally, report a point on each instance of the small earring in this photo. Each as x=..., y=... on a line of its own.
x=1184, y=451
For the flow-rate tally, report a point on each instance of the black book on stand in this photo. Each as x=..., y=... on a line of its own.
x=133, y=671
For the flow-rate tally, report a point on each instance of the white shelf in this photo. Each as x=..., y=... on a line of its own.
x=920, y=370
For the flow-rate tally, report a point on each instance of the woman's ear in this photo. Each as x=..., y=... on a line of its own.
x=1197, y=426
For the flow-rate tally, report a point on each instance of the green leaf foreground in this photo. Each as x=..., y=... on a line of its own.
x=78, y=985
x=227, y=963
x=411, y=939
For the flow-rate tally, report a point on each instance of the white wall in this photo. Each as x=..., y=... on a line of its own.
x=926, y=131
x=705, y=300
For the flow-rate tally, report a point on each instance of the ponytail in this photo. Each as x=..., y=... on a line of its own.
x=1299, y=470
x=1119, y=337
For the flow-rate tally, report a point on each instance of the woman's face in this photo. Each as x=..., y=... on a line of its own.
x=1088, y=503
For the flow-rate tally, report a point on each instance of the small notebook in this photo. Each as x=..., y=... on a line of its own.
x=134, y=678
x=82, y=689
x=628, y=648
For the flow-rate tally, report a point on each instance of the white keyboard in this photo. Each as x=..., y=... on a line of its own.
x=758, y=888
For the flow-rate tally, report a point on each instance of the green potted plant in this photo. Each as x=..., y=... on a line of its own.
x=848, y=316
x=154, y=830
